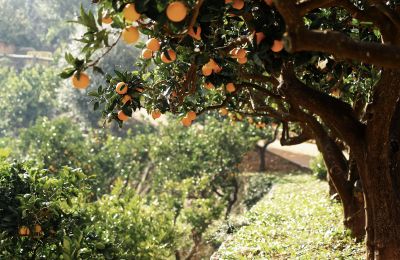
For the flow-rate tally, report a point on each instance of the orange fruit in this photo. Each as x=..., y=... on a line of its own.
x=130, y=34
x=223, y=111
x=24, y=231
x=176, y=11
x=206, y=70
x=259, y=37
x=241, y=53
x=126, y=99
x=130, y=13
x=186, y=121
x=238, y=4
x=215, y=67
x=230, y=87
x=228, y=1
x=242, y=60
x=80, y=82
x=277, y=46
x=153, y=44
x=121, y=88
x=269, y=2
x=195, y=35
x=171, y=54
x=122, y=116
x=208, y=85
x=191, y=115
x=38, y=228
x=106, y=20
x=155, y=114
x=147, y=54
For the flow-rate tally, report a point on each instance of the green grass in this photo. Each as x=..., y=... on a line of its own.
x=296, y=220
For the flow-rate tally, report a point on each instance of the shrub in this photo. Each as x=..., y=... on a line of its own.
x=318, y=167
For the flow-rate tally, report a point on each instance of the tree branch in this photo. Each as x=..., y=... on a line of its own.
x=335, y=113
x=342, y=46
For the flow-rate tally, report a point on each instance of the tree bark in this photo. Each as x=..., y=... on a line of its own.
x=379, y=170
x=261, y=152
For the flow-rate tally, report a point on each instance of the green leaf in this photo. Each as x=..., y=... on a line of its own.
x=67, y=73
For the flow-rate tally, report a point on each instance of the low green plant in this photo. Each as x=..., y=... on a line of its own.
x=318, y=167
x=296, y=220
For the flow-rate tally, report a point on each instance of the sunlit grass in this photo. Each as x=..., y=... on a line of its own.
x=296, y=220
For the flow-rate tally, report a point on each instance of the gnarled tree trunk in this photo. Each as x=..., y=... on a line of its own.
x=379, y=169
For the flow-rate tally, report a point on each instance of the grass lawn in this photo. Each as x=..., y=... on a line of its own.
x=296, y=220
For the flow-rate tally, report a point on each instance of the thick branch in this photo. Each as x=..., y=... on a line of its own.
x=335, y=113
x=342, y=46
x=301, y=138
x=306, y=7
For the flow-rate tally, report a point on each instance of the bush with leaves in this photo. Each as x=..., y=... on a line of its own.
x=45, y=215
x=36, y=209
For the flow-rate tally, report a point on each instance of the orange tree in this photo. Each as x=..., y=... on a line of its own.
x=330, y=66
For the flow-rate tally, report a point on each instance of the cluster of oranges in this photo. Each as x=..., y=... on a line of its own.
x=24, y=231
x=176, y=12
x=189, y=118
x=239, y=54
x=210, y=67
x=122, y=89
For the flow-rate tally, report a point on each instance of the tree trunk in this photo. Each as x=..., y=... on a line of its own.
x=261, y=152
x=379, y=169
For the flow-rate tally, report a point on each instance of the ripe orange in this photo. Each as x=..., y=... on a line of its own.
x=153, y=44
x=206, y=70
x=147, y=54
x=230, y=87
x=195, y=35
x=186, y=121
x=38, y=228
x=191, y=115
x=241, y=53
x=269, y=2
x=130, y=34
x=121, y=88
x=277, y=46
x=215, y=67
x=176, y=11
x=171, y=54
x=24, y=231
x=126, y=99
x=209, y=85
x=107, y=20
x=122, y=116
x=155, y=114
x=242, y=60
x=259, y=37
x=223, y=111
x=130, y=13
x=82, y=82
x=238, y=4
